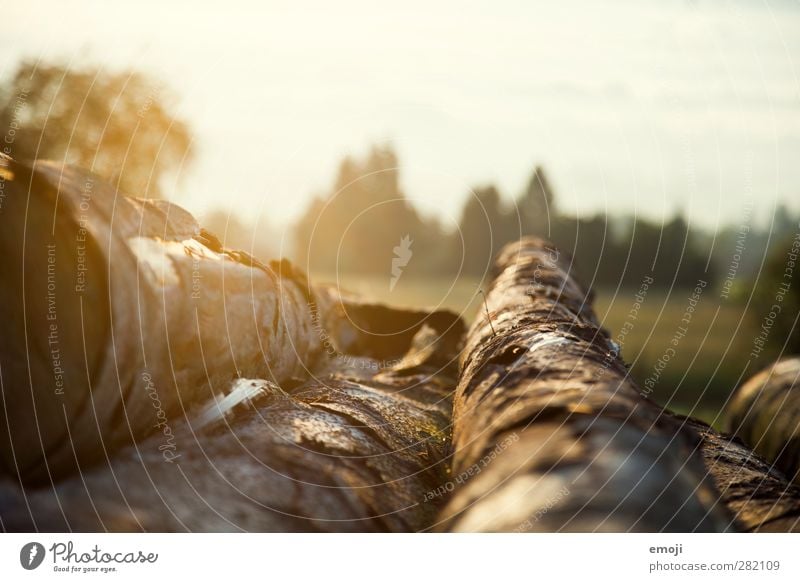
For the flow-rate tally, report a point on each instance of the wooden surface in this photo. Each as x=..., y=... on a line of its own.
x=197, y=387
x=121, y=312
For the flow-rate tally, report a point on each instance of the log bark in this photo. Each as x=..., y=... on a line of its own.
x=550, y=432
x=120, y=312
x=765, y=414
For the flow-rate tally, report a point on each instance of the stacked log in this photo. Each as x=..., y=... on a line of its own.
x=765, y=414
x=355, y=449
x=121, y=312
x=551, y=433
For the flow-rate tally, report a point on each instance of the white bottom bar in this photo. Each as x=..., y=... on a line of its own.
x=407, y=557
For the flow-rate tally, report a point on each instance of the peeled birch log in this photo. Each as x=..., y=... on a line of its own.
x=355, y=449
x=765, y=414
x=121, y=314
x=550, y=433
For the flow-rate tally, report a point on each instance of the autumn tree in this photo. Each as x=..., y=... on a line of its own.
x=119, y=125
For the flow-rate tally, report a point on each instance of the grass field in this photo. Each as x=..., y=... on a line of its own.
x=708, y=352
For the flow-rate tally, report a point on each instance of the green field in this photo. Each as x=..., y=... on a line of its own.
x=708, y=360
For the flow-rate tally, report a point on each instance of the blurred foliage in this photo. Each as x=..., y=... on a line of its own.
x=777, y=290
x=485, y=229
x=118, y=125
x=354, y=227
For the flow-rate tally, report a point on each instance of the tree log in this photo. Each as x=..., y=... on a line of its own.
x=765, y=414
x=550, y=432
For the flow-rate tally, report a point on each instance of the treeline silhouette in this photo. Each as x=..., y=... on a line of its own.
x=355, y=226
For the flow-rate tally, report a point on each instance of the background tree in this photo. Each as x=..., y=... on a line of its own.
x=599, y=260
x=355, y=227
x=482, y=231
x=779, y=284
x=536, y=204
x=117, y=124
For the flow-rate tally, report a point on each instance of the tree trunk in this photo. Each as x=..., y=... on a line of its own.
x=550, y=433
x=765, y=414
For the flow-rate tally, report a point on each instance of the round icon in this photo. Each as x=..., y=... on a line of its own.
x=31, y=555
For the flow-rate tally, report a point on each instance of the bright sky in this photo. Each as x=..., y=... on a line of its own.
x=639, y=106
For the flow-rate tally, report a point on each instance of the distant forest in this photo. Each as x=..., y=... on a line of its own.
x=355, y=227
